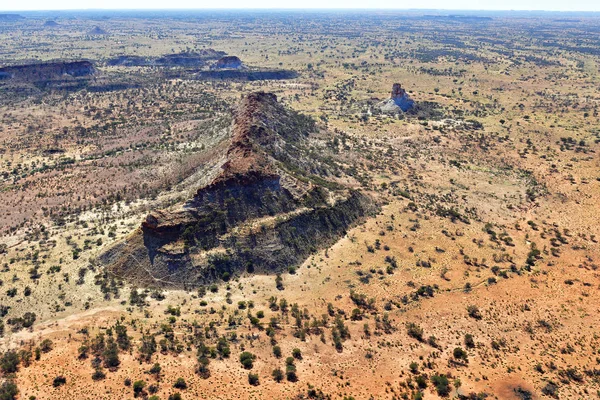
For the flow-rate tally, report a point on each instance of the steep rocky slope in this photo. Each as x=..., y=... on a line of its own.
x=268, y=205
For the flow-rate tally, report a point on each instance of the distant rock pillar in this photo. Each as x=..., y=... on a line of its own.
x=397, y=91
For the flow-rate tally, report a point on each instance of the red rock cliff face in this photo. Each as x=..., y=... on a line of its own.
x=397, y=91
x=245, y=159
x=248, y=172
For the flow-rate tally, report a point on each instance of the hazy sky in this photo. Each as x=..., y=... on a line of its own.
x=550, y=5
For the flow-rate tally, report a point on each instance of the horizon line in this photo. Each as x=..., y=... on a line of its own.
x=299, y=9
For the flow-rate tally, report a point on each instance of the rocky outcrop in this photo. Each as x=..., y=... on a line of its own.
x=229, y=62
x=48, y=71
x=399, y=101
x=267, y=206
x=188, y=59
x=248, y=75
x=97, y=31
x=11, y=17
x=129, y=61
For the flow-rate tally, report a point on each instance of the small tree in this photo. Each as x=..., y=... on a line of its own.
x=279, y=282
x=421, y=381
x=469, y=341
x=460, y=354
x=9, y=363
x=414, y=331
x=277, y=351
x=111, y=354
x=223, y=347
x=474, y=312
x=59, y=381
x=122, y=338
x=25, y=356
x=46, y=345
x=98, y=374
x=155, y=370
x=414, y=367
x=442, y=386
x=291, y=375
x=297, y=354
x=277, y=374
x=147, y=348
x=83, y=352
x=247, y=359
x=138, y=388
x=180, y=384
x=8, y=390
x=253, y=379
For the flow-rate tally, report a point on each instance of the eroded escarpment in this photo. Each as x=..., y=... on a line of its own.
x=186, y=59
x=37, y=72
x=248, y=74
x=270, y=204
x=31, y=78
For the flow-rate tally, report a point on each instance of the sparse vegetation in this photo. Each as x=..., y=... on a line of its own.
x=167, y=227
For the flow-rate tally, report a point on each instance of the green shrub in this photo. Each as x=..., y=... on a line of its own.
x=8, y=390
x=297, y=354
x=277, y=351
x=155, y=370
x=469, y=341
x=59, y=381
x=414, y=331
x=247, y=359
x=414, y=367
x=138, y=388
x=98, y=375
x=291, y=376
x=442, y=386
x=460, y=354
x=9, y=363
x=421, y=381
